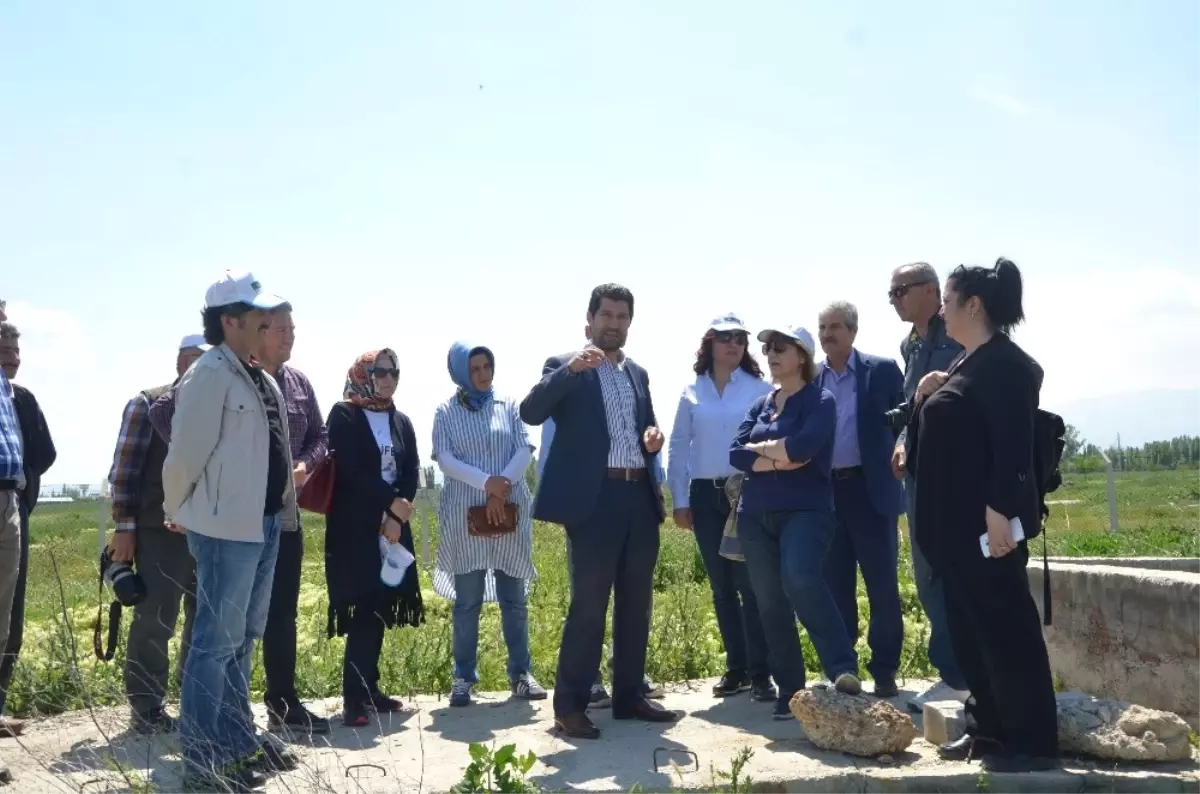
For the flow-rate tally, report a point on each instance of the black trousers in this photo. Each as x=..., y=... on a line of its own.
x=360, y=664
x=613, y=551
x=279, y=638
x=168, y=570
x=997, y=637
x=16, y=626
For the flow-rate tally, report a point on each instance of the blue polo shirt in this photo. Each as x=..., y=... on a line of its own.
x=807, y=425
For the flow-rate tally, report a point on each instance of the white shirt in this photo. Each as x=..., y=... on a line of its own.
x=381, y=428
x=705, y=425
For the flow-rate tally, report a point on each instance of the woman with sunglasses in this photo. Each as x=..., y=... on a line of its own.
x=785, y=516
x=377, y=477
x=728, y=381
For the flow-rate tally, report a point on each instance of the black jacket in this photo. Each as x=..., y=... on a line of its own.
x=360, y=497
x=38, y=453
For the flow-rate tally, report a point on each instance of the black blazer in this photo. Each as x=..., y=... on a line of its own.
x=578, y=458
x=360, y=497
x=974, y=449
x=38, y=453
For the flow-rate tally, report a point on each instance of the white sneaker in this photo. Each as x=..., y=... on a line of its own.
x=938, y=692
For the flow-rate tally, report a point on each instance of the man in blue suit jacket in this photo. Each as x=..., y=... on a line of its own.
x=867, y=496
x=597, y=483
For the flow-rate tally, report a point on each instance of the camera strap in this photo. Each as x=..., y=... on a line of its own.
x=105, y=654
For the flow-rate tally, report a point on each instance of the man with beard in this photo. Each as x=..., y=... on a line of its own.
x=597, y=484
x=309, y=446
x=227, y=482
x=37, y=455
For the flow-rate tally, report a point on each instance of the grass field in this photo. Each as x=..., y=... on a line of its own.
x=1159, y=516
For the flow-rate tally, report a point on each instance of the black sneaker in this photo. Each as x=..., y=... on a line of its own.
x=238, y=781
x=292, y=715
x=763, y=690
x=652, y=690
x=782, y=710
x=885, y=688
x=599, y=697
x=733, y=682
x=382, y=704
x=271, y=759
x=153, y=722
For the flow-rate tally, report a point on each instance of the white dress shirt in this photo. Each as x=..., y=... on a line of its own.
x=706, y=423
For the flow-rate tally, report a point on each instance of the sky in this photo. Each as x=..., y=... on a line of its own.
x=412, y=174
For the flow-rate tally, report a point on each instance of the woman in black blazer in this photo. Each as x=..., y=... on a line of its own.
x=377, y=478
x=975, y=478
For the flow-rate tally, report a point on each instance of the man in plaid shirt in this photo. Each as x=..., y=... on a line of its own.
x=11, y=471
x=309, y=442
x=159, y=553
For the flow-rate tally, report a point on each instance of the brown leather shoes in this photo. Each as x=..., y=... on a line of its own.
x=646, y=710
x=11, y=727
x=577, y=726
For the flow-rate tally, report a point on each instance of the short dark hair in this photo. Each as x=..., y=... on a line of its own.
x=214, y=334
x=998, y=288
x=704, y=360
x=614, y=292
x=9, y=331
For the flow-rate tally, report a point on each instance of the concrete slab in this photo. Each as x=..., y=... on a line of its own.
x=426, y=750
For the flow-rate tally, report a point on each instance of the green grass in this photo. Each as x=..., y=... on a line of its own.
x=58, y=670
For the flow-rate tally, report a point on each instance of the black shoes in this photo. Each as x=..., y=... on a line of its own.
x=885, y=688
x=763, y=690
x=153, y=722
x=292, y=715
x=732, y=683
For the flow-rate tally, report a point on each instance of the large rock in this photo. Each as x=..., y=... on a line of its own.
x=1119, y=731
x=852, y=724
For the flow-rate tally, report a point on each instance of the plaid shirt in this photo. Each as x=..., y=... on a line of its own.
x=306, y=427
x=11, y=467
x=133, y=443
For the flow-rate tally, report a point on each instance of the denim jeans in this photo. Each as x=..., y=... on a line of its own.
x=514, y=621
x=733, y=595
x=785, y=553
x=233, y=595
x=932, y=595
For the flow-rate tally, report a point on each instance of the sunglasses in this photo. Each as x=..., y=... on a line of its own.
x=736, y=337
x=901, y=290
x=777, y=346
x=385, y=372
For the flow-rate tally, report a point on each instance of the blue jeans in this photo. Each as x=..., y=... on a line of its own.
x=785, y=552
x=931, y=593
x=233, y=595
x=514, y=622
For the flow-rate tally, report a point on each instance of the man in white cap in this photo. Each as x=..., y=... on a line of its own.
x=158, y=554
x=227, y=483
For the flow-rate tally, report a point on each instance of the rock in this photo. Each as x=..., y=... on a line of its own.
x=1119, y=731
x=944, y=721
x=852, y=724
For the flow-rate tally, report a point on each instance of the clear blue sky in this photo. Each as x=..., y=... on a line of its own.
x=411, y=173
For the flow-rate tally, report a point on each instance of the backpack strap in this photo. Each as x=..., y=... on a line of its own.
x=1046, y=603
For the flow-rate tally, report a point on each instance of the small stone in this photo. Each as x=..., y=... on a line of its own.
x=886, y=759
x=853, y=724
x=1119, y=731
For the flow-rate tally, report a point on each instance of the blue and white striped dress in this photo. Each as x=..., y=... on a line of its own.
x=486, y=439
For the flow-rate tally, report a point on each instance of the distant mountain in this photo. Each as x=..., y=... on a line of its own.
x=1139, y=417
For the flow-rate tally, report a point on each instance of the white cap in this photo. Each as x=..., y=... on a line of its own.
x=240, y=288
x=727, y=322
x=193, y=340
x=797, y=333
x=396, y=560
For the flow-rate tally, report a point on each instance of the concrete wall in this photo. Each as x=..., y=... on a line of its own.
x=1156, y=563
x=1131, y=633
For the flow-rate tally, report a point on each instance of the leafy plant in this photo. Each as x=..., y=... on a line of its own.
x=501, y=770
x=734, y=781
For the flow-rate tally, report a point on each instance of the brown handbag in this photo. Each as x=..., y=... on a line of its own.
x=478, y=526
x=317, y=492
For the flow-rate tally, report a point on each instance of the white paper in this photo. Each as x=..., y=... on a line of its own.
x=1014, y=526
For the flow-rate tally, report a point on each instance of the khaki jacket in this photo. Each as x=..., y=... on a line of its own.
x=215, y=474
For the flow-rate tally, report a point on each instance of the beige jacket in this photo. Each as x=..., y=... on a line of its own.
x=215, y=474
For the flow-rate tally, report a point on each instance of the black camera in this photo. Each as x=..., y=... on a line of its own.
x=897, y=418
x=127, y=586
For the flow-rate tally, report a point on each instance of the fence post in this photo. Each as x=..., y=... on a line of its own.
x=1112, y=492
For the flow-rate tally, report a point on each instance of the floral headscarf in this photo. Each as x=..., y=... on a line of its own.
x=360, y=381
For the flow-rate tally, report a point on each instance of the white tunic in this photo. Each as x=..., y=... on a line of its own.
x=483, y=443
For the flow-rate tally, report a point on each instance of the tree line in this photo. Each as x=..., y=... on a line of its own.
x=1080, y=455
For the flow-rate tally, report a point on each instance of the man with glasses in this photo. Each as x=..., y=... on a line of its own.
x=916, y=296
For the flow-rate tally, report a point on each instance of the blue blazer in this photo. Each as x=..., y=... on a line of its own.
x=880, y=388
x=577, y=461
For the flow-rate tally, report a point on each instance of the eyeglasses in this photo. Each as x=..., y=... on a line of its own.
x=777, y=346
x=900, y=290
x=736, y=337
x=385, y=372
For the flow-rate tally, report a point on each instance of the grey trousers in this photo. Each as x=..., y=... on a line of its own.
x=10, y=558
x=169, y=571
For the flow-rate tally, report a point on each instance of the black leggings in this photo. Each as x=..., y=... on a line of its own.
x=360, y=666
